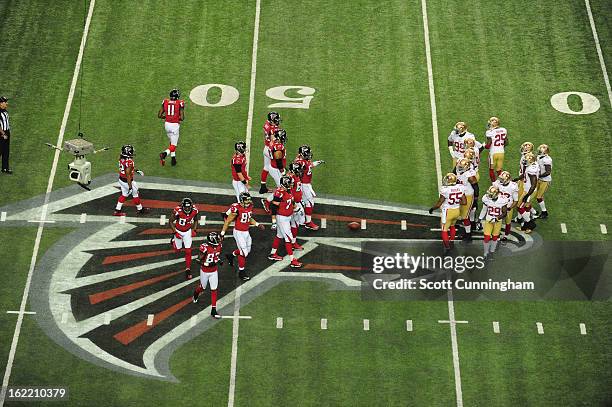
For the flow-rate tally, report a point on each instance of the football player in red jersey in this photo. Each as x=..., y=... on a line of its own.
x=298, y=218
x=242, y=214
x=184, y=224
x=277, y=166
x=304, y=158
x=269, y=128
x=173, y=112
x=283, y=205
x=210, y=253
x=240, y=178
x=126, y=181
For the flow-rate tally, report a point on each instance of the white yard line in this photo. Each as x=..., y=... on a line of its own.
x=436, y=141
x=41, y=225
x=604, y=71
x=249, y=131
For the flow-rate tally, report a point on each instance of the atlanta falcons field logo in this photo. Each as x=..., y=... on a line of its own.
x=113, y=291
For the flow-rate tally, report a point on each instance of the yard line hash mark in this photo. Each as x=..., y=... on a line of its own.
x=3, y=216
x=563, y=228
x=604, y=229
x=409, y=325
x=366, y=324
x=323, y=323
x=60, y=139
x=583, y=330
x=19, y=312
x=540, y=328
x=495, y=327
x=279, y=323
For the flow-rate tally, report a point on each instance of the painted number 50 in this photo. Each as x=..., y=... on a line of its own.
x=229, y=95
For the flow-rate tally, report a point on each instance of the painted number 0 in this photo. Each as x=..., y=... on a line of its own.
x=229, y=96
x=590, y=104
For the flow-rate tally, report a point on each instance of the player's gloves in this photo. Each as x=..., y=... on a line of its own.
x=140, y=173
x=193, y=233
x=433, y=208
x=318, y=162
x=222, y=233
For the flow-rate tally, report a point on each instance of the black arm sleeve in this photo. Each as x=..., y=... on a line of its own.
x=476, y=190
x=238, y=168
x=279, y=163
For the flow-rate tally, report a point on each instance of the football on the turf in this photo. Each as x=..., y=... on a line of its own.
x=354, y=225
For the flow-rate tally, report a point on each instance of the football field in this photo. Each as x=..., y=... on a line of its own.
x=374, y=88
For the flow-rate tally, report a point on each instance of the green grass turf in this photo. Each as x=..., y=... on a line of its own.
x=370, y=120
x=520, y=367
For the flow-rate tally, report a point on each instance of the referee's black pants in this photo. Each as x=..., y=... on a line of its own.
x=5, y=149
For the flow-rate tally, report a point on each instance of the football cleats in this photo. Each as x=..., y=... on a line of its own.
x=493, y=192
x=245, y=199
x=213, y=238
x=526, y=147
x=175, y=94
x=543, y=149
x=530, y=158
x=274, y=117
x=296, y=169
x=187, y=205
x=240, y=147
x=286, y=182
x=469, y=154
x=460, y=128
x=504, y=178
x=305, y=152
x=449, y=179
x=127, y=151
x=463, y=165
x=281, y=135
x=469, y=143
x=493, y=123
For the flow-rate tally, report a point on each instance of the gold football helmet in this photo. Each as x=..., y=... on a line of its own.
x=504, y=178
x=530, y=158
x=526, y=147
x=460, y=127
x=469, y=143
x=493, y=192
x=469, y=154
x=493, y=122
x=449, y=179
x=543, y=149
x=463, y=165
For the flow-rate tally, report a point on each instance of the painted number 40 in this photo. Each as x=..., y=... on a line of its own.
x=229, y=95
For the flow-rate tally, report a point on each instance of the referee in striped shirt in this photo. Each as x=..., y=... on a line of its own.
x=5, y=135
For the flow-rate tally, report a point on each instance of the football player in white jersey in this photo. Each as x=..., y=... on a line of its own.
x=508, y=189
x=474, y=157
x=456, y=141
x=450, y=200
x=466, y=176
x=497, y=140
x=526, y=147
x=494, y=209
x=545, y=163
x=532, y=171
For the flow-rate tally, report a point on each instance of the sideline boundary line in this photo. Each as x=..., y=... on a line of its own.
x=41, y=225
x=604, y=71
